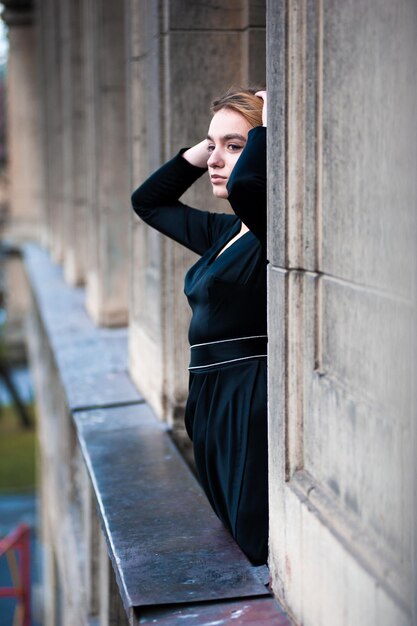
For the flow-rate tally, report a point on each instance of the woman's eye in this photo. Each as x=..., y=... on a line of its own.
x=234, y=147
x=210, y=148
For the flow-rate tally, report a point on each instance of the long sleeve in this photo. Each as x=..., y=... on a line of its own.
x=247, y=184
x=156, y=201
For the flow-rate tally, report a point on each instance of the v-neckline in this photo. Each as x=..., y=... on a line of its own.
x=220, y=250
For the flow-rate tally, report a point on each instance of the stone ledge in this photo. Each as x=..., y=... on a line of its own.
x=170, y=554
x=92, y=362
x=250, y=612
x=165, y=543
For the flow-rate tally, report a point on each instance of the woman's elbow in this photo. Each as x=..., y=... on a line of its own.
x=138, y=203
x=243, y=186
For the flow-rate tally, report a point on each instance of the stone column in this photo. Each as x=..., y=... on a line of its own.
x=254, y=45
x=93, y=535
x=107, y=186
x=41, y=16
x=342, y=157
x=49, y=15
x=75, y=165
x=23, y=118
x=111, y=611
x=176, y=50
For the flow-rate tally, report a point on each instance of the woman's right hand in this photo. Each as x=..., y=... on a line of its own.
x=197, y=155
x=262, y=94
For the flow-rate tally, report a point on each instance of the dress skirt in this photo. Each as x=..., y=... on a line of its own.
x=226, y=418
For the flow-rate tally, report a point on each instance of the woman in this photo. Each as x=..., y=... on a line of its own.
x=226, y=414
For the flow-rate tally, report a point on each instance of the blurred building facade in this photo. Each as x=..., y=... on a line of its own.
x=100, y=93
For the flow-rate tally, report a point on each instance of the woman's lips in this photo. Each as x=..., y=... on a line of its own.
x=216, y=179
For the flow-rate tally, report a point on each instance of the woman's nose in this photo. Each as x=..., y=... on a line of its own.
x=215, y=159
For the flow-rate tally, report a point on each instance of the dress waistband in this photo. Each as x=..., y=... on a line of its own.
x=225, y=351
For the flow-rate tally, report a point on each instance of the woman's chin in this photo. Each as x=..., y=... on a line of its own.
x=220, y=192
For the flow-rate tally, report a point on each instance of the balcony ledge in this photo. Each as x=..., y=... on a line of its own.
x=171, y=556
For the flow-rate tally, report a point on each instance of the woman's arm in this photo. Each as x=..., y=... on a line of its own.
x=263, y=96
x=247, y=184
x=156, y=201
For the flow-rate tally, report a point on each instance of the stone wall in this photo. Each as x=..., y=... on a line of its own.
x=342, y=250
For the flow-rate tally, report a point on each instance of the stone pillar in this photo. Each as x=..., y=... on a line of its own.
x=112, y=612
x=93, y=539
x=254, y=45
x=23, y=119
x=16, y=288
x=175, y=52
x=342, y=159
x=49, y=15
x=107, y=186
x=44, y=80
x=75, y=165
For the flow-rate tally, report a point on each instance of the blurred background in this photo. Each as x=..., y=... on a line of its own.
x=18, y=484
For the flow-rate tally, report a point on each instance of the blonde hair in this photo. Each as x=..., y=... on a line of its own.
x=242, y=101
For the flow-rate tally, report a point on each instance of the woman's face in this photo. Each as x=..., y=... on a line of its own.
x=226, y=138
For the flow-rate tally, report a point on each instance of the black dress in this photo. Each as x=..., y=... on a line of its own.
x=226, y=412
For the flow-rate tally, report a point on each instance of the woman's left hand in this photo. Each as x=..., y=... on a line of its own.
x=262, y=94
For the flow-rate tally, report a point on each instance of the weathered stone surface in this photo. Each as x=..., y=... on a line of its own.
x=259, y=611
x=358, y=331
x=15, y=286
x=92, y=362
x=341, y=395
x=188, y=15
x=25, y=169
x=53, y=129
x=59, y=503
x=144, y=23
x=111, y=611
x=188, y=106
x=362, y=404
x=277, y=129
x=166, y=543
x=256, y=10
x=368, y=158
x=75, y=150
x=107, y=285
x=254, y=51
